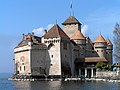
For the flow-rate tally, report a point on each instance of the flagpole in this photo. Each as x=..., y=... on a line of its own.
x=71, y=8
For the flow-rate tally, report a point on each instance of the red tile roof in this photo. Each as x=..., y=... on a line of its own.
x=95, y=59
x=91, y=59
x=77, y=36
x=109, y=42
x=71, y=20
x=55, y=32
x=99, y=39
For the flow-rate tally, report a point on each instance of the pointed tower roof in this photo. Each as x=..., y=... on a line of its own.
x=71, y=20
x=55, y=32
x=78, y=36
x=109, y=42
x=99, y=39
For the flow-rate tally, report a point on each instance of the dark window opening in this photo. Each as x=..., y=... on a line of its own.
x=65, y=46
x=20, y=68
x=24, y=68
x=52, y=56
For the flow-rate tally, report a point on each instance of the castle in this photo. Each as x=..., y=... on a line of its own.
x=61, y=52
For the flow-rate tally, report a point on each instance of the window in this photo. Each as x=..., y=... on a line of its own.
x=65, y=46
x=97, y=50
x=50, y=45
x=101, y=50
x=52, y=56
x=65, y=55
x=24, y=68
x=20, y=68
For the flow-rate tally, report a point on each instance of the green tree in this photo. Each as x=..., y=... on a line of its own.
x=100, y=65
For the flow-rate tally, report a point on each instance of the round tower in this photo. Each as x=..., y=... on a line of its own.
x=109, y=51
x=80, y=40
x=100, y=45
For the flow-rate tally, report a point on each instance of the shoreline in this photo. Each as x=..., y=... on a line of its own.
x=65, y=79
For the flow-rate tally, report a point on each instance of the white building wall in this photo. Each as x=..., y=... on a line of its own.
x=54, y=56
x=22, y=60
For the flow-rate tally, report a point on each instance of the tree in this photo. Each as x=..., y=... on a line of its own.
x=100, y=65
x=116, y=33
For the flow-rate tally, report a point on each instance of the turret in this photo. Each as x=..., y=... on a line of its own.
x=100, y=46
x=109, y=51
x=80, y=40
x=71, y=25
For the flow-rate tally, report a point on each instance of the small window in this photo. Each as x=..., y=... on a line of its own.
x=65, y=55
x=52, y=56
x=24, y=68
x=65, y=46
x=101, y=50
x=97, y=50
x=20, y=68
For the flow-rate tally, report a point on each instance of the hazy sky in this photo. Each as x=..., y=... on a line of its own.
x=24, y=16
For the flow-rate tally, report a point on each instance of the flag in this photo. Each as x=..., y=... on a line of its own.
x=71, y=5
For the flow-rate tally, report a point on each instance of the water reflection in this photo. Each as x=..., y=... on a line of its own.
x=37, y=85
x=61, y=85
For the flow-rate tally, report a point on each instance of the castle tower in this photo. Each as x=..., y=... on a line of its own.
x=80, y=40
x=29, y=56
x=109, y=51
x=100, y=46
x=71, y=25
x=58, y=51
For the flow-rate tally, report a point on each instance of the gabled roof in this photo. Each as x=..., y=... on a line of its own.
x=78, y=36
x=71, y=20
x=55, y=32
x=109, y=42
x=99, y=39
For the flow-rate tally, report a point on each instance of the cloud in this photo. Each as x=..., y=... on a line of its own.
x=40, y=31
x=84, y=30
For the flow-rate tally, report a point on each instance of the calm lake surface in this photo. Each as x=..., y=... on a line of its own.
x=5, y=84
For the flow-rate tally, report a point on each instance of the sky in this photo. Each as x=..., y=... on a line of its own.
x=26, y=16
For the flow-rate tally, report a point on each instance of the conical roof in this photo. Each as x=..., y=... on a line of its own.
x=71, y=20
x=55, y=32
x=99, y=39
x=109, y=42
x=77, y=36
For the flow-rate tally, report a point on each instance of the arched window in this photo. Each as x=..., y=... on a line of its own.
x=50, y=45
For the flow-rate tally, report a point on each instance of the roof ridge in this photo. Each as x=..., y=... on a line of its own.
x=55, y=32
x=71, y=20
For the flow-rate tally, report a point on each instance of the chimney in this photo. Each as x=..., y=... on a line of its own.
x=32, y=33
x=23, y=36
x=45, y=31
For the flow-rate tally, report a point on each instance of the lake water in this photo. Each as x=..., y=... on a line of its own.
x=5, y=84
